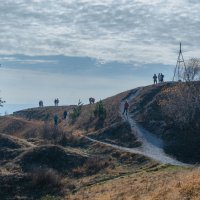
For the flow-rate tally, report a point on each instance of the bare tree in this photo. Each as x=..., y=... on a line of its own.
x=193, y=69
x=1, y=102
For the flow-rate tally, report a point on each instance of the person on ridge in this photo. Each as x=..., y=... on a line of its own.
x=65, y=114
x=159, y=78
x=57, y=101
x=155, y=79
x=126, y=106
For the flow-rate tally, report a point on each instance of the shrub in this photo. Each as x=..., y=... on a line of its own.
x=1, y=102
x=91, y=166
x=54, y=134
x=181, y=104
x=45, y=178
x=76, y=112
x=100, y=111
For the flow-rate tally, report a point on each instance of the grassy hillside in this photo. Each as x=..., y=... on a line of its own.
x=38, y=159
x=41, y=161
x=168, y=121
x=165, y=183
x=85, y=121
x=29, y=171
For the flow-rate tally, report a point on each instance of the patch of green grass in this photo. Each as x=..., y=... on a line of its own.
x=49, y=197
x=169, y=168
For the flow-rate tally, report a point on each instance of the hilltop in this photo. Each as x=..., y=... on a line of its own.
x=93, y=157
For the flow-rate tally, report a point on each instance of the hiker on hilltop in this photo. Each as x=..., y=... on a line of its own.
x=40, y=103
x=55, y=120
x=155, y=79
x=56, y=102
x=65, y=114
x=92, y=100
x=126, y=106
x=161, y=78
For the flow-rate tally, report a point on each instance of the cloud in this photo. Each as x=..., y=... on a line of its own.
x=137, y=31
x=14, y=60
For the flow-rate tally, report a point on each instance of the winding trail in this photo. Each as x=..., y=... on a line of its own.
x=151, y=147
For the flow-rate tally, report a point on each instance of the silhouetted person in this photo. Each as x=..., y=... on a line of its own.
x=65, y=114
x=40, y=103
x=126, y=106
x=55, y=120
x=161, y=78
x=92, y=100
x=155, y=79
x=56, y=102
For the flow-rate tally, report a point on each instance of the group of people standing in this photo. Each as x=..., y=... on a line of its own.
x=56, y=102
x=158, y=79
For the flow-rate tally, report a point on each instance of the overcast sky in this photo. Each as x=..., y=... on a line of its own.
x=75, y=49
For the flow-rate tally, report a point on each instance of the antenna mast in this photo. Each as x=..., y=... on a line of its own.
x=178, y=68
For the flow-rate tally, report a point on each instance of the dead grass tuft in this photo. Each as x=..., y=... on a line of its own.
x=92, y=166
x=45, y=178
x=54, y=134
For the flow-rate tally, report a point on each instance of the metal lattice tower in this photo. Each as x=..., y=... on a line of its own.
x=180, y=66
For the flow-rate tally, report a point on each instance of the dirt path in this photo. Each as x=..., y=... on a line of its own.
x=151, y=147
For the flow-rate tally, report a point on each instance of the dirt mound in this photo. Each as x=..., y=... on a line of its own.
x=11, y=125
x=11, y=147
x=12, y=142
x=119, y=134
x=50, y=156
x=19, y=127
x=9, y=154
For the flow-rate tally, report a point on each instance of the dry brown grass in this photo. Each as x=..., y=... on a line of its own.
x=119, y=175
x=86, y=122
x=44, y=113
x=4, y=172
x=44, y=177
x=169, y=184
x=19, y=127
x=29, y=123
x=53, y=134
x=92, y=166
